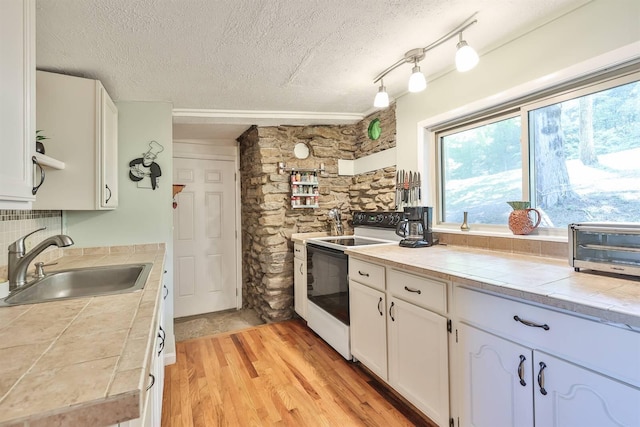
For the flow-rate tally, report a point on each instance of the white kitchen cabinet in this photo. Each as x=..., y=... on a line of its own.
x=493, y=393
x=152, y=410
x=81, y=122
x=399, y=332
x=367, y=311
x=578, y=397
x=300, y=280
x=589, y=371
x=17, y=103
x=418, y=342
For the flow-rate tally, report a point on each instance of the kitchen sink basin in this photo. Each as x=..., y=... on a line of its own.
x=82, y=282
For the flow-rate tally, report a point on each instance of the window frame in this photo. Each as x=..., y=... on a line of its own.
x=521, y=107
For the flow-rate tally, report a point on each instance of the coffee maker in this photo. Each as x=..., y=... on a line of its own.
x=415, y=227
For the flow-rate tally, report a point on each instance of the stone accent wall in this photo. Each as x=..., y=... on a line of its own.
x=267, y=217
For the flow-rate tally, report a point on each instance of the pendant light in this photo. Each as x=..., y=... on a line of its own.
x=466, y=56
x=382, y=97
x=417, y=81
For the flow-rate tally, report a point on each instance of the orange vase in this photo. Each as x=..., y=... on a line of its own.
x=519, y=219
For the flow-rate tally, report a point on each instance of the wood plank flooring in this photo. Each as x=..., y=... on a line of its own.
x=280, y=374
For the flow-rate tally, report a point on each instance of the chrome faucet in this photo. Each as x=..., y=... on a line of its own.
x=19, y=259
x=335, y=216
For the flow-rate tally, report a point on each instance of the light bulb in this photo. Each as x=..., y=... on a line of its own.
x=417, y=82
x=382, y=98
x=466, y=57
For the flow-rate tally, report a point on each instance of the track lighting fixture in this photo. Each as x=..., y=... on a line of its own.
x=466, y=59
x=382, y=97
x=466, y=56
x=417, y=81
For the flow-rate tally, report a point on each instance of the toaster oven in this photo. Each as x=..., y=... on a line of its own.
x=610, y=247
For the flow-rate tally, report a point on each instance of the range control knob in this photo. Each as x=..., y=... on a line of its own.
x=395, y=219
x=358, y=219
x=379, y=218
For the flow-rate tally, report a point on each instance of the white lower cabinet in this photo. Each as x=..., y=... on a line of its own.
x=493, y=393
x=300, y=287
x=152, y=410
x=419, y=358
x=367, y=310
x=523, y=378
x=397, y=338
x=577, y=397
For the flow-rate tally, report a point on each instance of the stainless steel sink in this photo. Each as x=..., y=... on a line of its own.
x=82, y=282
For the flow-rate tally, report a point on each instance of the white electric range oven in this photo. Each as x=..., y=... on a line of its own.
x=327, y=275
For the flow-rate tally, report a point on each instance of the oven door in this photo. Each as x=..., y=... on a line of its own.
x=327, y=281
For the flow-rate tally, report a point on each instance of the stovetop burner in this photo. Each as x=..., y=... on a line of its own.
x=343, y=242
x=353, y=241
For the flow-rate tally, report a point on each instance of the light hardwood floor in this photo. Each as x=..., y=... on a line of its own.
x=280, y=374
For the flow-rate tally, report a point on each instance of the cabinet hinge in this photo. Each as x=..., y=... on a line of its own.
x=456, y=335
x=449, y=326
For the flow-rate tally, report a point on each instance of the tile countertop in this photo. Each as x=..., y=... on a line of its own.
x=81, y=361
x=552, y=282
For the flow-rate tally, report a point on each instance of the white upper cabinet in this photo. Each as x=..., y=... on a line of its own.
x=17, y=99
x=81, y=122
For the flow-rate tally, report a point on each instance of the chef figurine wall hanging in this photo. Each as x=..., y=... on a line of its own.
x=145, y=166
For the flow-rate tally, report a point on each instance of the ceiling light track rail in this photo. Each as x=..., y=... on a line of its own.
x=466, y=58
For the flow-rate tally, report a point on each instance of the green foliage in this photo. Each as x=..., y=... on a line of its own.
x=39, y=137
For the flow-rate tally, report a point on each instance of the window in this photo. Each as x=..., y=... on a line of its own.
x=575, y=156
x=481, y=171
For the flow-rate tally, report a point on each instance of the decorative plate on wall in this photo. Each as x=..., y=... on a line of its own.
x=374, y=129
x=301, y=150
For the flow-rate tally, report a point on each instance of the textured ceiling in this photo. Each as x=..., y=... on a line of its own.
x=266, y=55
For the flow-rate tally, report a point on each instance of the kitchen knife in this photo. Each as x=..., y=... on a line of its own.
x=411, y=174
x=397, y=189
x=406, y=187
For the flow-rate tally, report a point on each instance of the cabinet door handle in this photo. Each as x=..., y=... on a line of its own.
x=521, y=371
x=390, y=314
x=541, y=379
x=300, y=268
x=153, y=381
x=416, y=291
x=108, y=198
x=532, y=324
x=379, y=309
x=35, y=189
x=166, y=294
x=363, y=274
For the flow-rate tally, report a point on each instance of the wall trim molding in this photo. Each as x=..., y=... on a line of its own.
x=272, y=118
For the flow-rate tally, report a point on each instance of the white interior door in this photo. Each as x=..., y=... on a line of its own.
x=204, y=234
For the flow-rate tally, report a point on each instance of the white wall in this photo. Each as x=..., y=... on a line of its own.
x=143, y=215
x=588, y=32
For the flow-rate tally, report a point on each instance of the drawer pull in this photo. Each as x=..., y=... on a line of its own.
x=379, y=309
x=153, y=381
x=166, y=293
x=390, y=314
x=408, y=289
x=521, y=371
x=528, y=323
x=37, y=187
x=541, y=378
x=363, y=274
